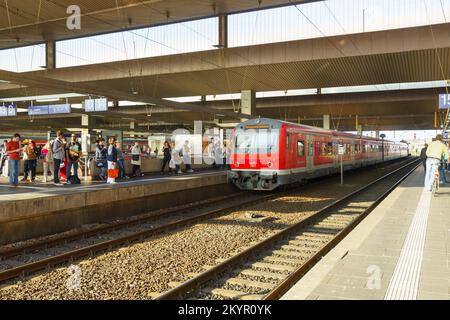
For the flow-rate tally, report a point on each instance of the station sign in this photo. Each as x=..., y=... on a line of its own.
x=59, y=109
x=96, y=105
x=444, y=101
x=49, y=109
x=9, y=110
x=38, y=110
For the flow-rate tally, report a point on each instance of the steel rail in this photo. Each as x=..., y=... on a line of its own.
x=212, y=273
x=90, y=250
x=142, y=218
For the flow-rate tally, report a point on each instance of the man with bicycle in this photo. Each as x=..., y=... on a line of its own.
x=436, y=150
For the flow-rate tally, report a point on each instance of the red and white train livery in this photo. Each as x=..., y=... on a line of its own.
x=270, y=153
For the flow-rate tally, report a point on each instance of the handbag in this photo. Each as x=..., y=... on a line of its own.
x=135, y=157
x=113, y=173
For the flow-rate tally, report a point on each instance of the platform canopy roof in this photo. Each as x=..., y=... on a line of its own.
x=32, y=21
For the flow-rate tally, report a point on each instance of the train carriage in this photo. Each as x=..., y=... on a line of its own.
x=269, y=153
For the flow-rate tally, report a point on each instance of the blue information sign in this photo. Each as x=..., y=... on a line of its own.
x=37, y=110
x=9, y=110
x=444, y=101
x=59, y=108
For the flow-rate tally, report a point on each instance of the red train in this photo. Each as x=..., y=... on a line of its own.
x=270, y=153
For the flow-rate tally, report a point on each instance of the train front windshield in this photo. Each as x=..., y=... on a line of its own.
x=256, y=141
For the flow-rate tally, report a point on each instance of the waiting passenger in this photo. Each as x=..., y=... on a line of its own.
x=423, y=156
x=59, y=156
x=100, y=158
x=167, y=151
x=48, y=163
x=435, y=151
x=443, y=167
x=73, y=155
x=176, y=160
x=3, y=155
x=13, y=151
x=187, y=156
x=121, y=162
x=30, y=151
x=112, y=160
x=136, y=155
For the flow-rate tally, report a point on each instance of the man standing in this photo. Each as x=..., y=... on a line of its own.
x=423, y=157
x=58, y=156
x=73, y=154
x=435, y=151
x=13, y=152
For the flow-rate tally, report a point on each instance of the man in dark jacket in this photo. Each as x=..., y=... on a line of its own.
x=423, y=157
x=73, y=154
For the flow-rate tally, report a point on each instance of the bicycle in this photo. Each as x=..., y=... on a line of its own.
x=436, y=182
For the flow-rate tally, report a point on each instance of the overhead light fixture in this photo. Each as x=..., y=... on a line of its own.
x=48, y=100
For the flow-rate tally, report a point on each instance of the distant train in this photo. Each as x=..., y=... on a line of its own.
x=267, y=154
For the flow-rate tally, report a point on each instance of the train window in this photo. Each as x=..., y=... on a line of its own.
x=288, y=141
x=300, y=148
x=311, y=149
x=256, y=141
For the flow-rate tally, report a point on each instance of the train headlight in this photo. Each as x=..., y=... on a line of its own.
x=269, y=165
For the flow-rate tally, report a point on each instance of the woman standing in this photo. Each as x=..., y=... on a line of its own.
x=167, y=151
x=100, y=158
x=31, y=161
x=136, y=160
x=112, y=159
x=48, y=160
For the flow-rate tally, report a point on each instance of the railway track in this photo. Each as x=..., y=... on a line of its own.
x=24, y=260
x=269, y=268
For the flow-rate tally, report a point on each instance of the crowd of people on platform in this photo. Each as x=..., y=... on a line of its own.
x=62, y=159
x=435, y=157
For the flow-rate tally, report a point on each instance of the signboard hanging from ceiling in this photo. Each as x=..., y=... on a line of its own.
x=444, y=101
x=9, y=110
x=50, y=109
x=96, y=105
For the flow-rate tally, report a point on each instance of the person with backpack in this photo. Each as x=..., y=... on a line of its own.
x=73, y=154
x=48, y=160
x=59, y=154
x=101, y=154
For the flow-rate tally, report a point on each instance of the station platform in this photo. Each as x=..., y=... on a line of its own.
x=401, y=251
x=40, y=209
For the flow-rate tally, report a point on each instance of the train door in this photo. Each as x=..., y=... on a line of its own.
x=310, y=153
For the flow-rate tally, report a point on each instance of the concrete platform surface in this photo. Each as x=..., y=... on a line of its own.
x=401, y=251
